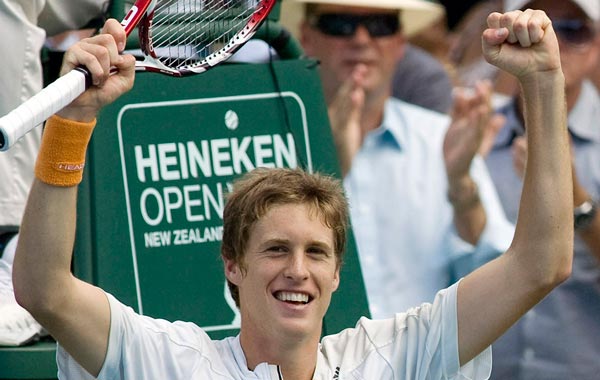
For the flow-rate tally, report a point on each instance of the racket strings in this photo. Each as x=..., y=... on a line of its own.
x=186, y=32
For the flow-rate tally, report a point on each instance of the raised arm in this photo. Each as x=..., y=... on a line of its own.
x=496, y=295
x=75, y=313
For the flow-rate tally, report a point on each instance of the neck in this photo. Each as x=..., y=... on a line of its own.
x=297, y=357
x=372, y=115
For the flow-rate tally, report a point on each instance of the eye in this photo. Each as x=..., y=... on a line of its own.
x=318, y=251
x=277, y=249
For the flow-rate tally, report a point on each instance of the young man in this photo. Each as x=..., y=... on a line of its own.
x=422, y=203
x=560, y=337
x=283, y=235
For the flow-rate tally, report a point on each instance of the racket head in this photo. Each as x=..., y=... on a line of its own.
x=184, y=37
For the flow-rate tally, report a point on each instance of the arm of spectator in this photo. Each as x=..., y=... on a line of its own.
x=470, y=116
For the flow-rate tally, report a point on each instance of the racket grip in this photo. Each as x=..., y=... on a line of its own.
x=41, y=106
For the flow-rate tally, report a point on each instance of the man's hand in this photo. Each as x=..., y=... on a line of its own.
x=112, y=73
x=515, y=43
x=494, y=125
x=345, y=113
x=470, y=118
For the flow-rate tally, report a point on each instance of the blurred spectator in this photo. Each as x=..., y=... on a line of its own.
x=457, y=45
x=419, y=78
x=24, y=25
x=464, y=53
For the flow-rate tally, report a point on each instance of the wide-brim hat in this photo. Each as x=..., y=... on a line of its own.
x=590, y=7
x=415, y=15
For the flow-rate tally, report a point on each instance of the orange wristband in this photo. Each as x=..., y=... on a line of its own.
x=61, y=157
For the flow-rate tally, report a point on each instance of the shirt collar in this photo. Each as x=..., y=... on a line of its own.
x=390, y=131
x=262, y=370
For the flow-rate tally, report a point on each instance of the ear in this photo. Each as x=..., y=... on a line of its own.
x=336, y=280
x=400, y=46
x=233, y=272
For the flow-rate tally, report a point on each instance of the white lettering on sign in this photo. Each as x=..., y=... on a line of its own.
x=196, y=203
x=208, y=158
x=184, y=236
x=197, y=235
x=157, y=239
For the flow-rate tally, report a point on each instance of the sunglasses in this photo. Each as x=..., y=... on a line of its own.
x=577, y=33
x=345, y=25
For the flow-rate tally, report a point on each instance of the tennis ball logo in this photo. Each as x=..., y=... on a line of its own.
x=231, y=120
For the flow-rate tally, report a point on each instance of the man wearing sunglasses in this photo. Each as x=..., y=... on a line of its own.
x=560, y=337
x=422, y=202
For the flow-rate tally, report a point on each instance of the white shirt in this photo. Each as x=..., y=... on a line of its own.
x=24, y=24
x=419, y=344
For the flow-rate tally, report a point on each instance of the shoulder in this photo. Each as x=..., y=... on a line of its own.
x=409, y=340
x=144, y=338
x=419, y=318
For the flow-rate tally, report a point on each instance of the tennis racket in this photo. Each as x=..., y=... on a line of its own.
x=176, y=37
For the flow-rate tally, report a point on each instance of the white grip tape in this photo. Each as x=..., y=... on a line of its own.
x=40, y=107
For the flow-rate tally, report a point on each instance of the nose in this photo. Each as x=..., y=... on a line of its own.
x=296, y=268
x=361, y=34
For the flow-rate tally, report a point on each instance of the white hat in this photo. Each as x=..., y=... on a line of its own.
x=590, y=7
x=415, y=15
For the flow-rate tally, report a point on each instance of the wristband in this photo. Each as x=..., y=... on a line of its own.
x=61, y=157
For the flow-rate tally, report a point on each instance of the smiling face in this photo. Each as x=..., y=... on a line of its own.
x=339, y=55
x=290, y=272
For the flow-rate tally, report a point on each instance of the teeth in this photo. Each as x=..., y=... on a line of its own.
x=292, y=297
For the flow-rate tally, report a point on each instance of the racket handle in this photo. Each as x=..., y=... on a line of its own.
x=41, y=106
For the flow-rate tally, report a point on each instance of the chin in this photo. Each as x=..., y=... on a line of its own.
x=299, y=329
